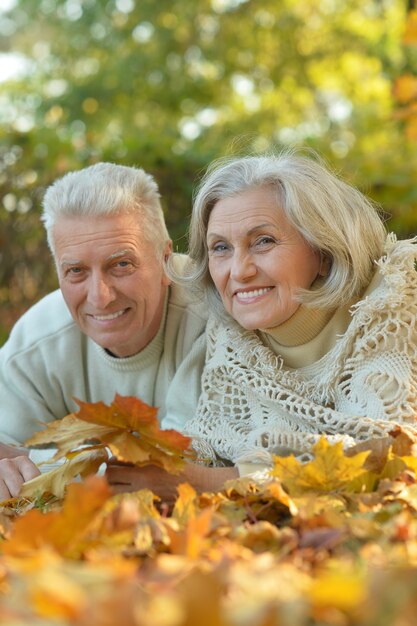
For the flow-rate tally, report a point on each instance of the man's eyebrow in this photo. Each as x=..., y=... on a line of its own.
x=65, y=263
x=115, y=255
x=119, y=253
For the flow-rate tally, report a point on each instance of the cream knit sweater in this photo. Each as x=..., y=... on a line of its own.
x=47, y=362
x=349, y=375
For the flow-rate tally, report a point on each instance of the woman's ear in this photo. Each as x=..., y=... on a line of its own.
x=324, y=264
x=168, y=250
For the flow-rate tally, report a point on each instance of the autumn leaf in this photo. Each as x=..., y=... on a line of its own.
x=56, y=596
x=328, y=471
x=61, y=530
x=128, y=427
x=186, y=503
x=67, y=434
x=404, y=442
x=192, y=538
x=342, y=589
x=82, y=462
x=203, y=589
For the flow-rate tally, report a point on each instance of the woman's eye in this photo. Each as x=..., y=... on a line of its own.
x=218, y=247
x=264, y=241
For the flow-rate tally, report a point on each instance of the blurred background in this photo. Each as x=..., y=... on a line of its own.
x=171, y=84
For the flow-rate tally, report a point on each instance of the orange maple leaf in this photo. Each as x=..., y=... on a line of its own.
x=128, y=426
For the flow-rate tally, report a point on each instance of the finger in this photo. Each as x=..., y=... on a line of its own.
x=4, y=491
x=11, y=477
x=26, y=467
x=14, y=472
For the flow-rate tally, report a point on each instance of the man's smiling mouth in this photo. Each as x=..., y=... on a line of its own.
x=109, y=317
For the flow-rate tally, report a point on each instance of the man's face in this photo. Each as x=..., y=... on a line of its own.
x=111, y=279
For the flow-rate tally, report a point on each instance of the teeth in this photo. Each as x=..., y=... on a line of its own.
x=112, y=316
x=252, y=294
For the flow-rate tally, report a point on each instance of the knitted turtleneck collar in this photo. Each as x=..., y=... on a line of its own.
x=305, y=324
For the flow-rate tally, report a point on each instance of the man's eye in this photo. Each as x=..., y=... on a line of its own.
x=123, y=265
x=74, y=270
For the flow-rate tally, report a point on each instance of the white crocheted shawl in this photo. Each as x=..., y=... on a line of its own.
x=366, y=384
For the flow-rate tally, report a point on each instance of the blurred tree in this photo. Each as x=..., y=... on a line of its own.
x=170, y=85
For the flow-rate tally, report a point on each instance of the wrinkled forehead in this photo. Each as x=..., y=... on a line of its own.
x=94, y=233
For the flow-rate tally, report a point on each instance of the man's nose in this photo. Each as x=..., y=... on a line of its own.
x=243, y=266
x=100, y=291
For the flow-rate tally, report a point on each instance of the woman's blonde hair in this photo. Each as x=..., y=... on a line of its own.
x=336, y=219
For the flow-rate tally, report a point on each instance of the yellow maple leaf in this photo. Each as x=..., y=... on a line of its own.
x=55, y=482
x=328, y=471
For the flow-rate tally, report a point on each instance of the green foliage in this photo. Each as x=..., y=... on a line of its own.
x=171, y=85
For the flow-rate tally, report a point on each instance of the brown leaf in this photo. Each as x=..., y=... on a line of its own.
x=405, y=442
x=378, y=449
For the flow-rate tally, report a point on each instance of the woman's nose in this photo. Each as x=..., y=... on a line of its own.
x=243, y=266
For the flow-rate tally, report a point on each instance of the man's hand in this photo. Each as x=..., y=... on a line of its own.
x=123, y=477
x=14, y=471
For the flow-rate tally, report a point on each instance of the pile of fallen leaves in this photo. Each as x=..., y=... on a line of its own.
x=329, y=542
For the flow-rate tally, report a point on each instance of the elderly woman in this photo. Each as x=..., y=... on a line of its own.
x=312, y=327
x=313, y=312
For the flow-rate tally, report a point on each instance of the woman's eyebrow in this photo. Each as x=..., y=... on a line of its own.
x=261, y=226
x=251, y=231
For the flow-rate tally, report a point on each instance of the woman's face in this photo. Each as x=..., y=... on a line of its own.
x=257, y=260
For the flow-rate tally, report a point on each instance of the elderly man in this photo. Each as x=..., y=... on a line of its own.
x=115, y=325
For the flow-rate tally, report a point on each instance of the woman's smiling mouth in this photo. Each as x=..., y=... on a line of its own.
x=253, y=293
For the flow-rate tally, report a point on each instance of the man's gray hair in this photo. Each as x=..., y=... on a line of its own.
x=336, y=219
x=107, y=189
